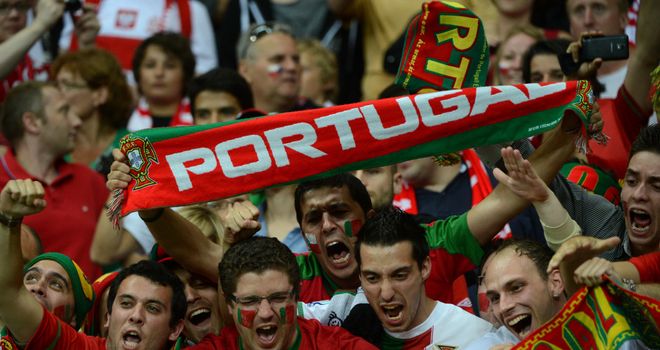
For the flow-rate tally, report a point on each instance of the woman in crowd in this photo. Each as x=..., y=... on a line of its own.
x=96, y=89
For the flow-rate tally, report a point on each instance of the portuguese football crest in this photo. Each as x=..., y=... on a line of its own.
x=140, y=153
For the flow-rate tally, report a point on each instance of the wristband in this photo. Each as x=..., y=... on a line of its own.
x=10, y=221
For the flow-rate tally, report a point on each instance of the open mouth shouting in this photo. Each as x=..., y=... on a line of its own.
x=131, y=339
x=199, y=316
x=393, y=314
x=521, y=325
x=266, y=335
x=640, y=221
x=338, y=254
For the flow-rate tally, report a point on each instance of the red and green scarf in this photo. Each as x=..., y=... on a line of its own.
x=185, y=165
x=604, y=317
x=445, y=49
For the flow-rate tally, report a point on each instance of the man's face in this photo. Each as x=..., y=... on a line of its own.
x=161, y=76
x=203, y=314
x=519, y=296
x=51, y=286
x=641, y=201
x=595, y=15
x=545, y=68
x=60, y=125
x=380, y=183
x=265, y=310
x=394, y=284
x=325, y=210
x=140, y=316
x=215, y=106
x=273, y=69
x=417, y=172
x=12, y=17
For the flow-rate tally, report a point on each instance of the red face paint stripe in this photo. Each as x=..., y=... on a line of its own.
x=246, y=317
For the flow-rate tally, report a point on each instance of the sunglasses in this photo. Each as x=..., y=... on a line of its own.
x=264, y=29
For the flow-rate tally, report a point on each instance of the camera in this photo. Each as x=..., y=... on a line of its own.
x=72, y=6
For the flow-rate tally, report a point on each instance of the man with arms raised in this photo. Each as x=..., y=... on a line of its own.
x=326, y=207
x=145, y=304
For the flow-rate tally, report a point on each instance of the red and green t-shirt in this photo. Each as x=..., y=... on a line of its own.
x=311, y=335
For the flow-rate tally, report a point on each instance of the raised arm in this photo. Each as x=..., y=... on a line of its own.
x=110, y=246
x=574, y=261
x=180, y=238
x=490, y=215
x=14, y=49
x=522, y=180
x=646, y=55
x=19, y=309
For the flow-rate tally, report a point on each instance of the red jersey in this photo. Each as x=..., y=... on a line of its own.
x=54, y=334
x=75, y=200
x=648, y=266
x=311, y=335
x=623, y=119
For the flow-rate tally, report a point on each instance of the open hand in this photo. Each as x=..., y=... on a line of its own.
x=522, y=179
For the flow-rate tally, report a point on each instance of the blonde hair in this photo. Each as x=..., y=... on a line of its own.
x=527, y=29
x=326, y=61
x=206, y=220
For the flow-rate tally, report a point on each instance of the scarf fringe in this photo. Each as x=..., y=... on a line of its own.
x=114, y=209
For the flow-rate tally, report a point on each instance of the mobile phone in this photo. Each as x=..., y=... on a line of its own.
x=608, y=48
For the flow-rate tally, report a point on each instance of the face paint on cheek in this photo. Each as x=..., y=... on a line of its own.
x=274, y=70
x=352, y=228
x=246, y=317
x=484, y=303
x=287, y=314
x=312, y=243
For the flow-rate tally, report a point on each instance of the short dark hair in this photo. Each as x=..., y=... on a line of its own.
x=355, y=187
x=173, y=44
x=23, y=98
x=257, y=255
x=222, y=80
x=543, y=47
x=390, y=226
x=539, y=253
x=647, y=140
x=157, y=274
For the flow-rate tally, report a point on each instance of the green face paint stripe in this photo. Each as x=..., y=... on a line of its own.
x=348, y=228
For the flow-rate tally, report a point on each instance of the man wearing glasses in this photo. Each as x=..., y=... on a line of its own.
x=260, y=280
x=268, y=59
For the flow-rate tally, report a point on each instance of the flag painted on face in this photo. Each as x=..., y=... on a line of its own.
x=246, y=317
x=352, y=228
x=287, y=314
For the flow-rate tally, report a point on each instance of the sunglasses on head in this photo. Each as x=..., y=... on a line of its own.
x=264, y=29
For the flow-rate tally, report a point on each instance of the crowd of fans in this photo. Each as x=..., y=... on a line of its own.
x=472, y=255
